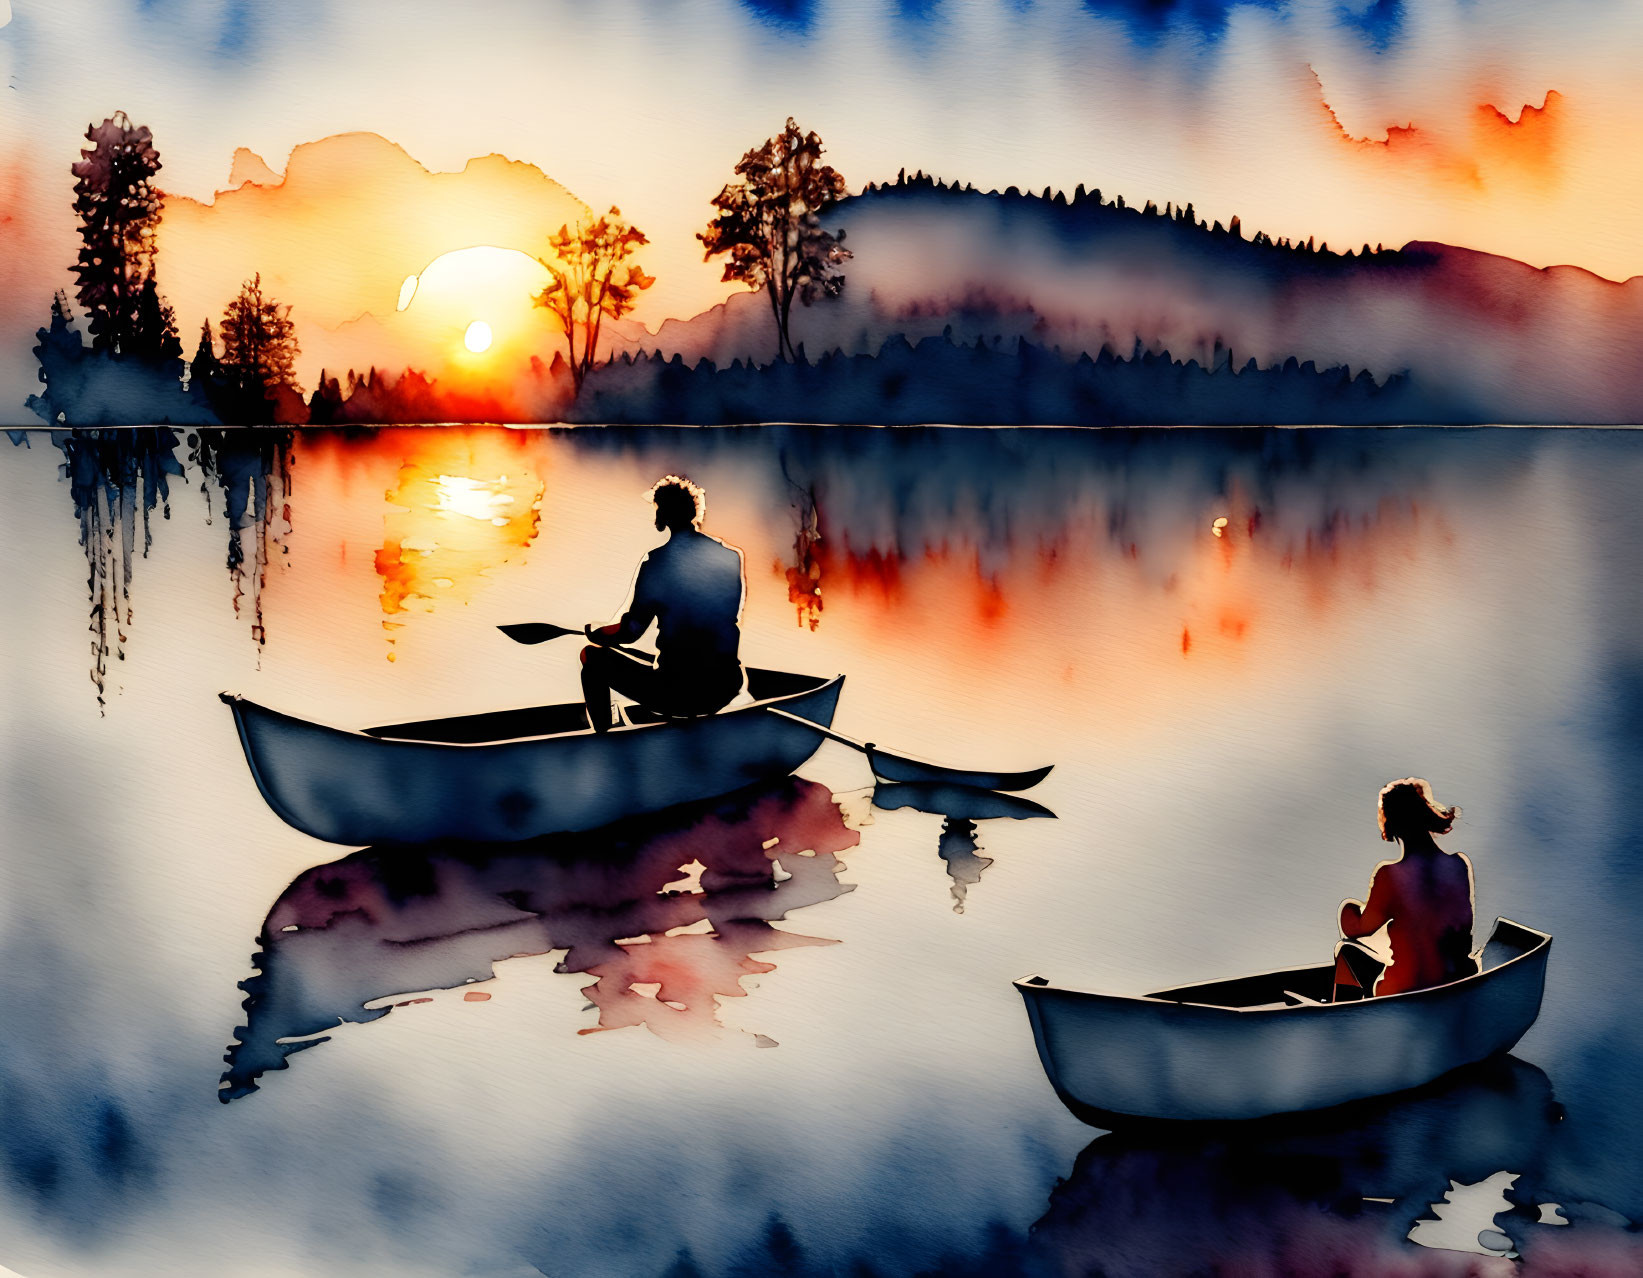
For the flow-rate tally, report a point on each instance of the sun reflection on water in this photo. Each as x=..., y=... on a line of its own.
x=476, y=498
x=462, y=508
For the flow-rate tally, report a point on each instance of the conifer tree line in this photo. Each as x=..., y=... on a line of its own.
x=134, y=363
x=119, y=208
x=1083, y=200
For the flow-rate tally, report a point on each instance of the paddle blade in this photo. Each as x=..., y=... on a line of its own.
x=956, y=802
x=535, y=631
x=899, y=767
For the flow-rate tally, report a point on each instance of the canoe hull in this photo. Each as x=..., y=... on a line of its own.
x=1116, y=1060
x=356, y=789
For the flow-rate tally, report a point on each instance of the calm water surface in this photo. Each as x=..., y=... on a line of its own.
x=679, y=1047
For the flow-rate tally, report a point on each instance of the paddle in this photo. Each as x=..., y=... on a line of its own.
x=886, y=765
x=900, y=767
x=955, y=802
x=535, y=632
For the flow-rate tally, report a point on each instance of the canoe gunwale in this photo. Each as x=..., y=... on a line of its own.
x=235, y=700
x=1034, y=982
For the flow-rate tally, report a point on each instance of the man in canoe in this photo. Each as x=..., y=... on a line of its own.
x=691, y=586
x=1424, y=899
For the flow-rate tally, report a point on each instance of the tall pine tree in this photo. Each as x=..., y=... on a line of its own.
x=259, y=349
x=154, y=332
x=119, y=212
x=204, y=372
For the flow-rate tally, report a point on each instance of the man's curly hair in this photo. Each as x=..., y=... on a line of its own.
x=679, y=500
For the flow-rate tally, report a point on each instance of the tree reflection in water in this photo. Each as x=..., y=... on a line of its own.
x=665, y=912
x=252, y=469
x=115, y=476
x=118, y=477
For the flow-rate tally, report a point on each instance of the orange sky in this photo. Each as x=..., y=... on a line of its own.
x=337, y=227
x=338, y=231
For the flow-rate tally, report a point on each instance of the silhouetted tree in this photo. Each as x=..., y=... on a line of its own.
x=204, y=371
x=325, y=404
x=154, y=330
x=119, y=211
x=87, y=387
x=61, y=352
x=259, y=347
x=769, y=225
x=132, y=371
x=586, y=286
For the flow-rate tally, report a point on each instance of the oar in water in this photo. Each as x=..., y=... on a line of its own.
x=900, y=767
x=887, y=766
x=955, y=802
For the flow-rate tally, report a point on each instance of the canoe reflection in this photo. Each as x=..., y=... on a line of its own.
x=961, y=807
x=1336, y=1192
x=386, y=922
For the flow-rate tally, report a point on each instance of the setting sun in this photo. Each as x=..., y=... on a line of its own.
x=440, y=309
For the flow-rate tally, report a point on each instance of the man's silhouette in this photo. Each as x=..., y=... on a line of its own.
x=691, y=587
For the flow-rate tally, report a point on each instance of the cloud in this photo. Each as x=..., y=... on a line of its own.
x=336, y=235
x=1492, y=148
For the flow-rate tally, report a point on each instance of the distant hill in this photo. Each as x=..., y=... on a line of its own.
x=1482, y=338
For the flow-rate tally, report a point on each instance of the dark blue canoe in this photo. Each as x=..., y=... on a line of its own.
x=520, y=774
x=1270, y=1044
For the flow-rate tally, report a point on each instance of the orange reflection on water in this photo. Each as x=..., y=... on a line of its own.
x=664, y=911
x=753, y=866
x=467, y=502
x=1226, y=596
x=804, y=590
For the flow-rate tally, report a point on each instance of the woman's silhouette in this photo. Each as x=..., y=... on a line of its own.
x=1423, y=899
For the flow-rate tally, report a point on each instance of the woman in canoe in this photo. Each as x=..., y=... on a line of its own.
x=1423, y=898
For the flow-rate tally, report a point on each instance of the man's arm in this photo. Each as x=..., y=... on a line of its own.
x=636, y=619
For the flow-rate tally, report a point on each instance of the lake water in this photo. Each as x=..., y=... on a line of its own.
x=680, y=1048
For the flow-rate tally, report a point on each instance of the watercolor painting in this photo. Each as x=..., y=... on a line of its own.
x=740, y=638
